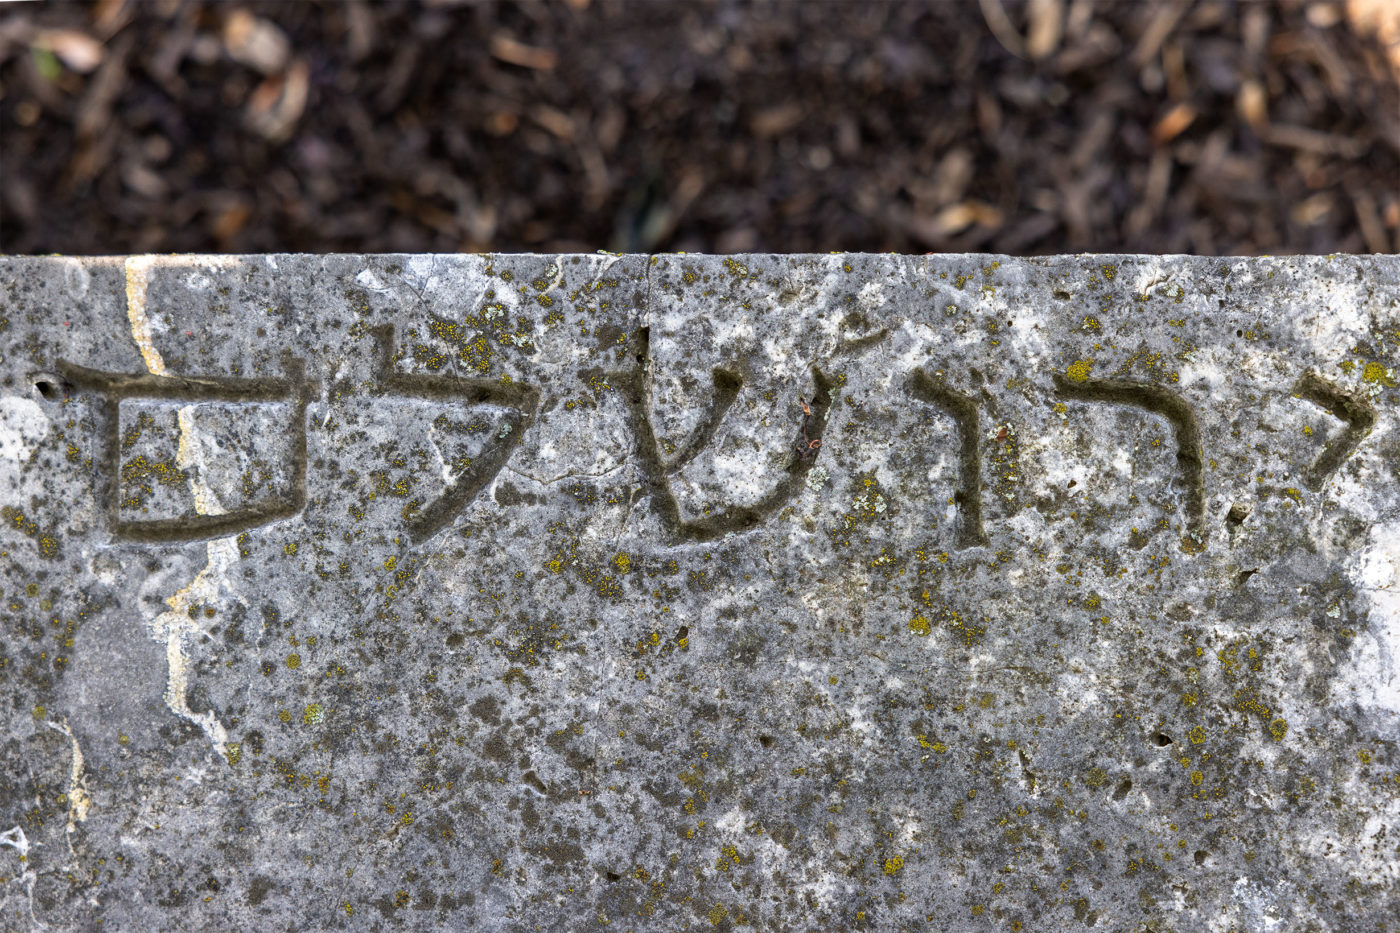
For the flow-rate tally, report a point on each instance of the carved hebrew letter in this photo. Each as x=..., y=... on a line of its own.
x=1169, y=405
x=963, y=410
x=522, y=399
x=114, y=388
x=727, y=386
x=1359, y=416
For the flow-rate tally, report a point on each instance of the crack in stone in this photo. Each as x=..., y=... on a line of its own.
x=557, y=479
x=174, y=625
x=15, y=839
x=79, y=801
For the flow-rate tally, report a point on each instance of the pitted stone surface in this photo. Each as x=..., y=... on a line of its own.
x=597, y=592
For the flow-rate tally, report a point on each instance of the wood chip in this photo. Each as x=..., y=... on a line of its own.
x=1046, y=22
x=1002, y=28
x=1252, y=103
x=1173, y=123
x=555, y=121
x=1310, y=140
x=1311, y=210
x=514, y=52
x=1163, y=22
x=958, y=217
x=775, y=121
x=1369, y=219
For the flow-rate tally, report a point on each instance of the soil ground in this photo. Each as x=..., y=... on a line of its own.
x=1041, y=126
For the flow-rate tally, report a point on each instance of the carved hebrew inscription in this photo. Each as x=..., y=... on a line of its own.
x=125, y=479
x=962, y=408
x=727, y=387
x=520, y=399
x=116, y=388
x=130, y=500
x=686, y=592
x=1359, y=417
x=1159, y=401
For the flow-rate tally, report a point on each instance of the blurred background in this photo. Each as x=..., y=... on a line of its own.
x=1039, y=126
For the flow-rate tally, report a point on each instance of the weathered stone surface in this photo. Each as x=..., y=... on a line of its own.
x=510, y=593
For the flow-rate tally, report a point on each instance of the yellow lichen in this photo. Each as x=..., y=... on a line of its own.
x=1377, y=373
x=1079, y=370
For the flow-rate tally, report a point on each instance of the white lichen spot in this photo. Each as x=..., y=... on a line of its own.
x=76, y=278
x=23, y=426
x=816, y=478
x=871, y=295
x=1375, y=571
x=367, y=280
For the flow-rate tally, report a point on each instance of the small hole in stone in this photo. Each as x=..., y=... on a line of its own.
x=612, y=876
x=1237, y=514
x=51, y=389
x=1200, y=856
x=682, y=632
x=1072, y=484
x=1239, y=333
x=766, y=741
x=1243, y=577
x=1161, y=739
x=1121, y=791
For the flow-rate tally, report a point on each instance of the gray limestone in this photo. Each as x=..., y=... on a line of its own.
x=605, y=592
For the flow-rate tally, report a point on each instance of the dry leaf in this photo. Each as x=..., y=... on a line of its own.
x=80, y=52
x=1381, y=19
x=258, y=43
x=278, y=103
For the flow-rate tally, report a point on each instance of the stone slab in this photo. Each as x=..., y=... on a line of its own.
x=843, y=592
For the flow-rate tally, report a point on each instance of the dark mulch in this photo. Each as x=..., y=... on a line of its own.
x=1205, y=127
